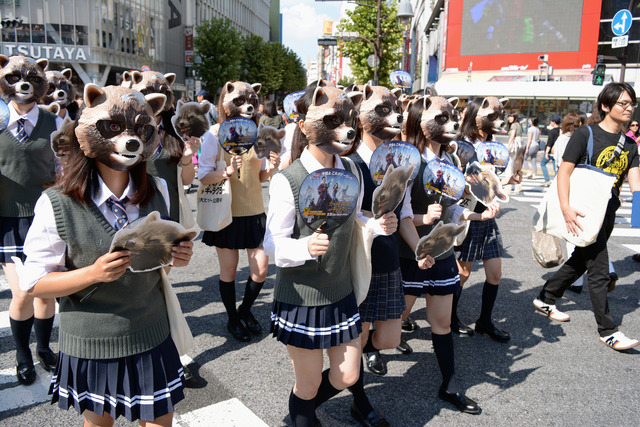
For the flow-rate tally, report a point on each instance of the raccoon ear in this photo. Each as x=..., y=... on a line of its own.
x=485, y=104
x=504, y=102
x=53, y=108
x=397, y=92
x=67, y=73
x=153, y=216
x=230, y=87
x=319, y=97
x=368, y=91
x=205, y=107
x=156, y=101
x=179, y=104
x=356, y=98
x=93, y=95
x=170, y=78
x=426, y=103
x=3, y=61
x=256, y=87
x=126, y=79
x=137, y=77
x=341, y=87
x=42, y=63
x=454, y=100
x=281, y=134
x=190, y=235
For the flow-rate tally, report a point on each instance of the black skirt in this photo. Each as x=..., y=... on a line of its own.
x=483, y=241
x=244, y=232
x=441, y=279
x=316, y=327
x=144, y=386
x=13, y=232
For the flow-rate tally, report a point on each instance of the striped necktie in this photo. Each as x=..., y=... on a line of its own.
x=22, y=133
x=120, y=211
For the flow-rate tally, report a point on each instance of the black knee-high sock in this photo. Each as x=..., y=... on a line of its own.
x=489, y=293
x=359, y=396
x=369, y=347
x=42, y=328
x=326, y=391
x=21, y=331
x=302, y=412
x=443, y=347
x=228, y=296
x=454, y=307
x=250, y=294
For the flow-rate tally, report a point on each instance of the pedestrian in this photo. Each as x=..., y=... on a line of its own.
x=483, y=242
x=246, y=231
x=28, y=166
x=314, y=306
x=634, y=131
x=515, y=144
x=554, y=132
x=437, y=279
x=116, y=353
x=616, y=103
x=531, y=150
x=203, y=96
x=270, y=116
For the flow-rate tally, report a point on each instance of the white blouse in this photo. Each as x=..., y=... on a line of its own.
x=44, y=248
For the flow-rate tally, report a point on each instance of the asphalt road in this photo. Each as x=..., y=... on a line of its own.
x=548, y=374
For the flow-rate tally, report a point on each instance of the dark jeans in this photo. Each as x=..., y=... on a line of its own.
x=595, y=260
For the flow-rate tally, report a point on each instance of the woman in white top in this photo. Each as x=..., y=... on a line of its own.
x=533, y=146
x=570, y=123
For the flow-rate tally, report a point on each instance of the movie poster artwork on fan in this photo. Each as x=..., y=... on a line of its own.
x=237, y=135
x=493, y=153
x=396, y=154
x=328, y=195
x=443, y=179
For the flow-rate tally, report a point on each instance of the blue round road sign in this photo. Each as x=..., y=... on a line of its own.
x=621, y=22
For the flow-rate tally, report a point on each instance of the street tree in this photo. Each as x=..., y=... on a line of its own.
x=217, y=42
x=363, y=19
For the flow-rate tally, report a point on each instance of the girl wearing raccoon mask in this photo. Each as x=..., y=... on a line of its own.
x=246, y=231
x=116, y=352
x=483, y=242
x=314, y=305
x=441, y=281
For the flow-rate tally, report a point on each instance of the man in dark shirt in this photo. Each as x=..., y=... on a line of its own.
x=554, y=133
x=616, y=103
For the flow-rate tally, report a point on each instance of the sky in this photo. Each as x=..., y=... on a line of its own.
x=302, y=25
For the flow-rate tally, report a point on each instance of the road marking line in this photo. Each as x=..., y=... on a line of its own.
x=634, y=248
x=231, y=413
x=5, y=326
x=21, y=395
x=626, y=232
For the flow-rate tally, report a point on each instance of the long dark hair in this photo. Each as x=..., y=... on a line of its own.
x=413, y=130
x=300, y=141
x=175, y=144
x=469, y=128
x=80, y=178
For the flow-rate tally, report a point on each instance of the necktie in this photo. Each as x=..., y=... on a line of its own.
x=119, y=210
x=22, y=134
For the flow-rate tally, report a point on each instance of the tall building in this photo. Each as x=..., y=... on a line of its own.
x=247, y=16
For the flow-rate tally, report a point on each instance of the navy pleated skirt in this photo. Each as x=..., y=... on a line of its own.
x=318, y=327
x=483, y=241
x=441, y=279
x=13, y=232
x=144, y=386
x=385, y=299
x=244, y=232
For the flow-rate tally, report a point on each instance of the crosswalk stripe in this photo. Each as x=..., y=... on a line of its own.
x=227, y=413
x=5, y=325
x=626, y=232
x=634, y=248
x=21, y=396
x=527, y=199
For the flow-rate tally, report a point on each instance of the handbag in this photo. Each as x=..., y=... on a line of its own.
x=547, y=250
x=180, y=331
x=186, y=216
x=214, y=202
x=590, y=193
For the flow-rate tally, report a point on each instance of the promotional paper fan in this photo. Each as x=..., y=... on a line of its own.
x=393, y=153
x=443, y=180
x=493, y=153
x=4, y=115
x=237, y=135
x=290, y=102
x=465, y=151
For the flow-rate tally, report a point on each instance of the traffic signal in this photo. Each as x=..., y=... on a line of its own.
x=11, y=23
x=598, y=74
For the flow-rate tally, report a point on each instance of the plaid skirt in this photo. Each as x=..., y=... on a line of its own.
x=13, y=232
x=385, y=299
x=441, y=279
x=483, y=241
x=318, y=327
x=144, y=386
x=244, y=232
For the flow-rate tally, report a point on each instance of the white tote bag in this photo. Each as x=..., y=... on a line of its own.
x=214, y=203
x=180, y=331
x=590, y=191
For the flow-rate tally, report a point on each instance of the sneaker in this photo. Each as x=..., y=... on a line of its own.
x=551, y=311
x=618, y=341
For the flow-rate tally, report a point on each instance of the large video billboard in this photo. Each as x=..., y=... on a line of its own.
x=511, y=34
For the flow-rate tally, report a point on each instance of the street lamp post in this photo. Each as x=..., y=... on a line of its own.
x=405, y=14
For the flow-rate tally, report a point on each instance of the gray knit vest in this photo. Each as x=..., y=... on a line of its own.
x=26, y=167
x=308, y=285
x=121, y=318
x=419, y=205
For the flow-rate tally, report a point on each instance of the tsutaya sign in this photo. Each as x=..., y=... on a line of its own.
x=66, y=53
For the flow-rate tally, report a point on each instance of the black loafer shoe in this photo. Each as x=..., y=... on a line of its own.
x=495, y=333
x=613, y=278
x=371, y=420
x=250, y=323
x=375, y=363
x=48, y=359
x=576, y=289
x=26, y=373
x=239, y=332
x=461, y=329
x=404, y=347
x=409, y=325
x=460, y=401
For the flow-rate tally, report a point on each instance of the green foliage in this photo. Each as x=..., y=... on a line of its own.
x=346, y=81
x=363, y=20
x=226, y=55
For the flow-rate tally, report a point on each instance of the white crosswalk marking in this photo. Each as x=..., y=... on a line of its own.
x=229, y=413
x=21, y=396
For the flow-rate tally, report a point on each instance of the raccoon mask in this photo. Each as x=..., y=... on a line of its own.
x=491, y=114
x=380, y=112
x=60, y=89
x=439, y=121
x=240, y=99
x=22, y=79
x=148, y=82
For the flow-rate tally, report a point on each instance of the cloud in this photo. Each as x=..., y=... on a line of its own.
x=302, y=25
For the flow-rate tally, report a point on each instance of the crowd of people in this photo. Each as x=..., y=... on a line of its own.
x=117, y=355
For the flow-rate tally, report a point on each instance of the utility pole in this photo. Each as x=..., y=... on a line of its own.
x=377, y=53
x=623, y=60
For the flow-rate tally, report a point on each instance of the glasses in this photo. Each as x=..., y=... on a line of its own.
x=633, y=125
x=627, y=104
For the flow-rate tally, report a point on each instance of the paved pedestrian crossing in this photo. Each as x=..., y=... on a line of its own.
x=533, y=191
